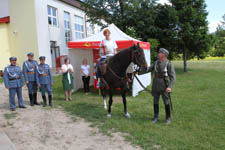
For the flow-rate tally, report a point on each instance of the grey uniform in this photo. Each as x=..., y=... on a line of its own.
x=14, y=82
x=159, y=84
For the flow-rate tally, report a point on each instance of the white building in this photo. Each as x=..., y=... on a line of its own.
x=43, y=27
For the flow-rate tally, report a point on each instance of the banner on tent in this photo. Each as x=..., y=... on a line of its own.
x=96, y=44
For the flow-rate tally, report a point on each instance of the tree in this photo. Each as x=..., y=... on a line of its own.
x=129, y=16
x=166, y=24
x=192, y=28
x=219, y=46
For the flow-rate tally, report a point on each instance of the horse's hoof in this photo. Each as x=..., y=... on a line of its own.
x=108, y=115
x=127, y=115
x=105, y=107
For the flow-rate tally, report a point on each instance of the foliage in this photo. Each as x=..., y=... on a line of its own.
x=154, y=48
x=219, y=43
x=192, y=29
x=127, y=15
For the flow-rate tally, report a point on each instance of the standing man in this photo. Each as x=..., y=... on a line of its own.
x=44, y=80
x=164, y=79
x=14, y=82
x=29, y=70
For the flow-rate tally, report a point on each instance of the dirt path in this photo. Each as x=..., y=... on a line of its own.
x=37, y=128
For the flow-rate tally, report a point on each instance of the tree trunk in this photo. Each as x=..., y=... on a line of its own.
x=185, y=60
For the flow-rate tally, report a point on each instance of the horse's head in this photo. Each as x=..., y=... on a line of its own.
x=138, y=58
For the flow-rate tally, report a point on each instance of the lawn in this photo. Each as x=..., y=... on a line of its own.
x=1, y=80
x=198, y=118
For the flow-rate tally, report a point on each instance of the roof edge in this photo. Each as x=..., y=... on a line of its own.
x=5, y=20
x=75, y=3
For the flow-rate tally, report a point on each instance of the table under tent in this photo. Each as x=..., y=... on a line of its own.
x=89, y=48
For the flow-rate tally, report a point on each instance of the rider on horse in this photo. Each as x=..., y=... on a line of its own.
x=108, y=48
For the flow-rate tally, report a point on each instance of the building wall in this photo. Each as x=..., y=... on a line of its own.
x=22, y=29
x=4, y=46
x=47, y=33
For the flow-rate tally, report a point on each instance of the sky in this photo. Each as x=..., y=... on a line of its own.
x=215, y=9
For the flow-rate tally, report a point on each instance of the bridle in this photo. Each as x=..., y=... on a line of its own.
x=137, y=63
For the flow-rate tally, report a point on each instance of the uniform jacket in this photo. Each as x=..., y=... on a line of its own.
x=29, y=70
x=158, y=67
x=13, y=77
x=43, y=69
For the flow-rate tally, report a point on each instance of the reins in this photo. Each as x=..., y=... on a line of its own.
x=120, y=78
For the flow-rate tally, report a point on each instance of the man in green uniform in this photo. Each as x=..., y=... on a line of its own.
x=164, y=79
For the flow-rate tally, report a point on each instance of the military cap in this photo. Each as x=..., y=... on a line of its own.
x=12, y=58
x=164, y=51
x=30, y=54
x=42, y=57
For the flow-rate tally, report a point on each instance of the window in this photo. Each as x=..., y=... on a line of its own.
x=52, y=16
x=89, y=29
x=79, y=27
x=67, y=27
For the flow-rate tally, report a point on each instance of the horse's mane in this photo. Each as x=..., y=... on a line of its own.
x=122, y=53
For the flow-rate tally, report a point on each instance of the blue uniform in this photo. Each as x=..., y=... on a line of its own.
x=44, y=78
x=13, y=80
x=29, y=71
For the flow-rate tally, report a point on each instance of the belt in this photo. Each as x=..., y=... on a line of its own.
x=43, y=75
x=30, y=72
x=159, y=76
x=14, y=79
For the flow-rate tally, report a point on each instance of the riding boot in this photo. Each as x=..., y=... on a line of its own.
x=35, y=99
x=50, y=100
x=44, y=101
x=156, y=113
x=31, y=100
x=168, y=118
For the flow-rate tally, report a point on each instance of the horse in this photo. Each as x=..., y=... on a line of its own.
x=115, y=75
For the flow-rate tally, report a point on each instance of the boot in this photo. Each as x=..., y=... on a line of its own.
x=167, y=109
x=44, y=101
x=31, y=100
x=156, y=113
x=50, y=100
x=35, y=99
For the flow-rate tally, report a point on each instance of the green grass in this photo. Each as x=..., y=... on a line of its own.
x=10, y=115
x=198, y=119
x=1, y=80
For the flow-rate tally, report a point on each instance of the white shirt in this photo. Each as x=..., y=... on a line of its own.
x=85, y=70
x=110, y=46
x=66, y=67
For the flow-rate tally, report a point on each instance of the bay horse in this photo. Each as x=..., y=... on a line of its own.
x=115, y=76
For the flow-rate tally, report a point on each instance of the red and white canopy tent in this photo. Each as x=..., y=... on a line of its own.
x=89, y=48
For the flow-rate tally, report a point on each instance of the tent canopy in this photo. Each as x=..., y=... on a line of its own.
x=122, y=40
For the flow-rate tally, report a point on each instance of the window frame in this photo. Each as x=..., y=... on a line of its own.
x=79, y=24
x=67, y=38
x=52, y=16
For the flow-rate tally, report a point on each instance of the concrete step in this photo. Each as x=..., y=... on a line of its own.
x=5, y=142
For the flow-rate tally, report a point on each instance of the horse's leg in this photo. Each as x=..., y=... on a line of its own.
x=104, y=97
x=110, y=102
x=123, y=93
